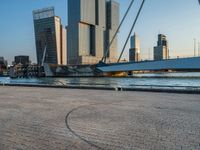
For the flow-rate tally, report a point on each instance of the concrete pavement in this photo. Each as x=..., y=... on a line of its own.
x=51, y=118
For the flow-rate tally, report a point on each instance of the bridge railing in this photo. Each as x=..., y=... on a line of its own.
x=150, y=60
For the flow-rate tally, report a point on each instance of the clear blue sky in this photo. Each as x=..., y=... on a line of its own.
x=178, y=19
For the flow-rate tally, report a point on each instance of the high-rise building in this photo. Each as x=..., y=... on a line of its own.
x=91, y=26
x=112, y=23
x=50, y=35
x=161, y=51
x=134, y=52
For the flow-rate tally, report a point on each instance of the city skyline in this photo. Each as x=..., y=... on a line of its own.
x=179, y=25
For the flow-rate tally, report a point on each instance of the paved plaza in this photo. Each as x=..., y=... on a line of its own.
x=71, y=119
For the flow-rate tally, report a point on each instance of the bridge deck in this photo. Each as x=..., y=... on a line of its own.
x=170, y=64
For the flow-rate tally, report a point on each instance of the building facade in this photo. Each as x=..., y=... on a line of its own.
x=134, y=51
x=161, y=51
x=23, y=60
x=50, y=37
x=91, y=25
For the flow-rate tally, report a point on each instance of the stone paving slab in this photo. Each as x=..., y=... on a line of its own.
x=50, y=118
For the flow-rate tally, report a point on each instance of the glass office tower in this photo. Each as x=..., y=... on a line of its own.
x=49, y=35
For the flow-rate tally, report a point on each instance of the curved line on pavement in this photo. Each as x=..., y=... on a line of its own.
x=74, y=133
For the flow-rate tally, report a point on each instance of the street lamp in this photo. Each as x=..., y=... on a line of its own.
x=194, y=47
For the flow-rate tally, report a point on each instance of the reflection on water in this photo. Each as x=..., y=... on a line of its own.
x=156, y=80
x=165, y=74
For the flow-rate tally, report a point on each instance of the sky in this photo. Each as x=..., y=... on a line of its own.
x=179, y=20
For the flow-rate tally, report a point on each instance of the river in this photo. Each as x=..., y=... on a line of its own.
x=158, y=80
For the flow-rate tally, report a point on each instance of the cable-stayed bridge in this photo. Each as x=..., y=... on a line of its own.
x=192, y=63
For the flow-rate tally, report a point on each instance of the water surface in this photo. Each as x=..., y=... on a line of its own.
x=159, y=80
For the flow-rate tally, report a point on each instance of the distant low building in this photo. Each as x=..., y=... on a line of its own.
x=161, y=51
x=134, y=52
x=23, y=60
x=3, y=61
x=21, y=71
x=3, y=65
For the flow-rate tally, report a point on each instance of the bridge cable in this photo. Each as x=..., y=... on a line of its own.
x=131, y=30
x=108, y=48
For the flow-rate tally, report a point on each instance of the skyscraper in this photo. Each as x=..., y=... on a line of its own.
x=161, y=51
x=134, y=52
x=91, y=25
x=49, y=35
x=112, y=23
